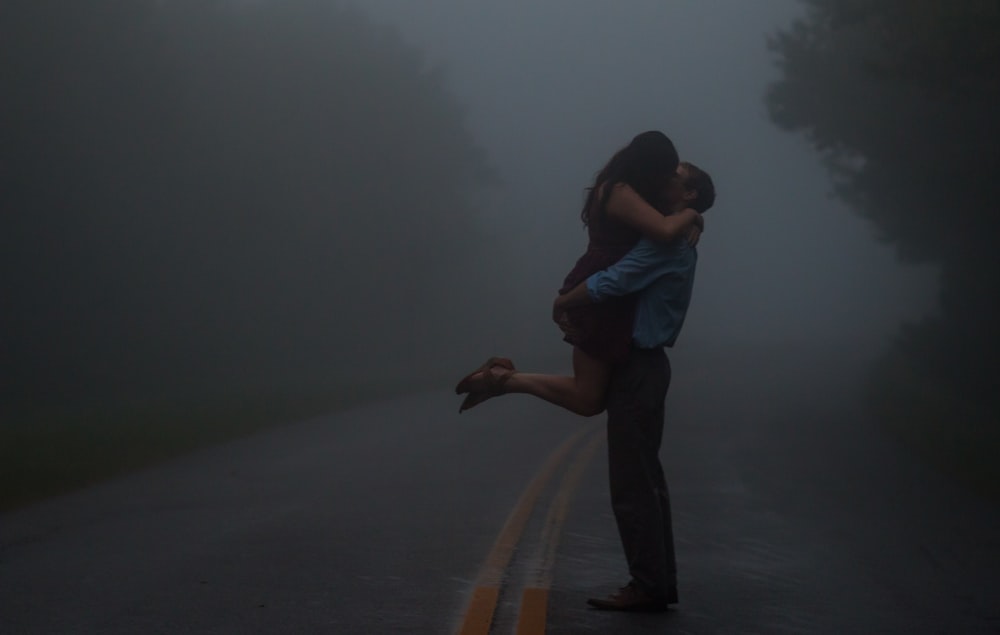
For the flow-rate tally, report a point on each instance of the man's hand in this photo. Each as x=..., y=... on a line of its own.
x=576, y=297
x=561, y=317
x=558, y=311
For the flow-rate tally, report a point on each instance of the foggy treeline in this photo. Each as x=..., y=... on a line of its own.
x=259, y=200
x=220, y=198
x=901, y=98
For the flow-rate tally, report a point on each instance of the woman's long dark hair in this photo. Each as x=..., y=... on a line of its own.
x=645, y=164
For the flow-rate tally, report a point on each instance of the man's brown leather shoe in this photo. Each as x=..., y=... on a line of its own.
x=630, y=598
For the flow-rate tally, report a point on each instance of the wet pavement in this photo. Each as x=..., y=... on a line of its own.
x=793, y=514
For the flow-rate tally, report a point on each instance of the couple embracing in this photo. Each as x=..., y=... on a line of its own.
x=623, y=302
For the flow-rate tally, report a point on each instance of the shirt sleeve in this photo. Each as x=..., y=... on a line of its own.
x=637, y=270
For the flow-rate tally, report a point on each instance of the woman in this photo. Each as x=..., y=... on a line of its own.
x=621, y=206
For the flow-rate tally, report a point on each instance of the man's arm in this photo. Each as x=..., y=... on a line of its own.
x=627, y=206
x=637, y=270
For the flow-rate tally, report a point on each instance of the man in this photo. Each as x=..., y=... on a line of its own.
x=663, y=275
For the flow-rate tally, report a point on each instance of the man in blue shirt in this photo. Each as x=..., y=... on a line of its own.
x=663, y=275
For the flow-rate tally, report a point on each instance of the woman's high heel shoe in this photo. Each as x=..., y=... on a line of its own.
x=494, y=382
x=463, y=385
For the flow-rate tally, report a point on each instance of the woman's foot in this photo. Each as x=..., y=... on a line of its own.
x=464, y=385
x=485, y=382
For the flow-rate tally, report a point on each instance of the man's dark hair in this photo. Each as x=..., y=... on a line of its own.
x=645, y=164
x=699, y=181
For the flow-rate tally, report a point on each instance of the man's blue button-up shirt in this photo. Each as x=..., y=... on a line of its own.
x=664, y=274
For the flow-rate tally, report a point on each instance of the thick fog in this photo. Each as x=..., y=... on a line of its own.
x=552, y=89
x=220, y=216
x=307, y=198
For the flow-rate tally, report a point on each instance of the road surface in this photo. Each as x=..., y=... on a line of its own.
x=793, y=513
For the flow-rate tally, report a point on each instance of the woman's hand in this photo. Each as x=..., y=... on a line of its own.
x=699, y=220
x=697, y=227
x=693, y=235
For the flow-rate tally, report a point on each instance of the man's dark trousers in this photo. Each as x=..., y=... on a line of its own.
x=639, y=495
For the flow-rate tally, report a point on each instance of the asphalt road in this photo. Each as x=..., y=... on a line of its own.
x=793, y=514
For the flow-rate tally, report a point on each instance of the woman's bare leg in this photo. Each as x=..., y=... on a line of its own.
x=583, y=393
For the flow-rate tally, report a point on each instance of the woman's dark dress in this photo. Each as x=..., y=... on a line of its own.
x=603, y=330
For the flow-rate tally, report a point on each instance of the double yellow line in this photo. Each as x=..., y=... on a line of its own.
x=534, y=600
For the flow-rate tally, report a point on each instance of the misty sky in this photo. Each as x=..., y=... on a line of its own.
x=553, y=88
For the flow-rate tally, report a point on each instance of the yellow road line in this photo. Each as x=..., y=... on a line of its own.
x=534, y=605
x=534, y=600
x=559, y=510
x=479, y=615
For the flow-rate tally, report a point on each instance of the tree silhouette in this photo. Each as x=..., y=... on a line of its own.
x=900, y=98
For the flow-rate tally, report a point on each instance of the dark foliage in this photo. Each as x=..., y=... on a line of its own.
x=209, y=196
x=901, y=98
